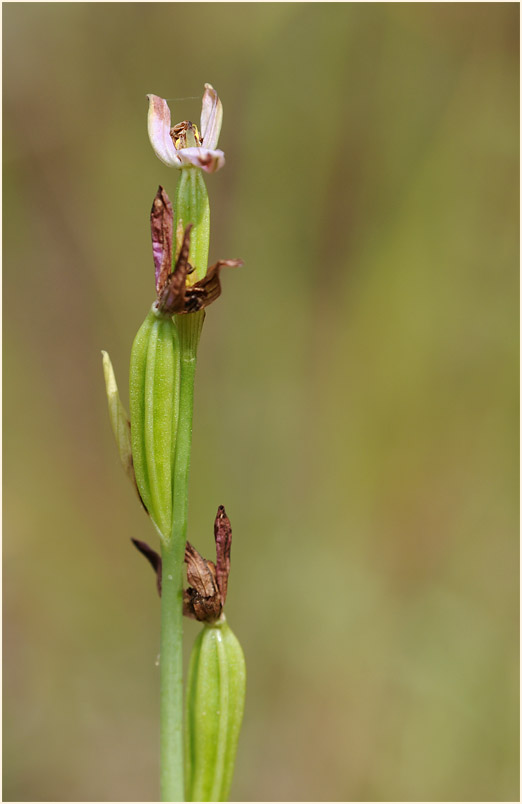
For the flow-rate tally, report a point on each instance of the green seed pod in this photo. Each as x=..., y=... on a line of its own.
x=214, y=711
x=192, y=206
x=154, y=411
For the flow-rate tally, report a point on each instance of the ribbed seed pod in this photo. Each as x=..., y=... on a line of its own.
x=154, y=411
x=192, y=206
x=214, y=711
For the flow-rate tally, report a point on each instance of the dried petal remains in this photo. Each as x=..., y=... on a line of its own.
x=161, y=224
x=206, y=595
x=175, y=297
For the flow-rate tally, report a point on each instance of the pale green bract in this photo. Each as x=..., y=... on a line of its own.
x=119, y=417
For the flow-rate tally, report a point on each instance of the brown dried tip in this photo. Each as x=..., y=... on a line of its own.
x=152, y=557
x=223, y=537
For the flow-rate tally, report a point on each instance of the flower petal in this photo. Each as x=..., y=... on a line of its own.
x=211, y=117
x=159, y=131
x=203, y=158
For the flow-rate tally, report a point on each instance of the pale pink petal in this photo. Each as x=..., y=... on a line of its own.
x=211, y=117
x=159, y=131
x=203, y=158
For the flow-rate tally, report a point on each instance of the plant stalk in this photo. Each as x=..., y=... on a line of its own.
x=171, y=675
x=191, y=207
x=173, y=555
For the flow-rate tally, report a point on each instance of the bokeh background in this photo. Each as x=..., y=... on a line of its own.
x=357, y=392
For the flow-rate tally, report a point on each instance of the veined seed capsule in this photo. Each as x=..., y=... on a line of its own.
x=154, y=410
x=214, y=711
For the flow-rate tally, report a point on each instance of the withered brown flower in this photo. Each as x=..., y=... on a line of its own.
x=208, y=581
x=175, y=295
x=205, y=598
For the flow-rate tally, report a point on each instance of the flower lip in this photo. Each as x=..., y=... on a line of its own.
x=181, y=145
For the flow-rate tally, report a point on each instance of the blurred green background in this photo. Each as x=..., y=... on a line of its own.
x=357, y=392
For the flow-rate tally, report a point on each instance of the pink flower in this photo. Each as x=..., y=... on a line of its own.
x=183, y=145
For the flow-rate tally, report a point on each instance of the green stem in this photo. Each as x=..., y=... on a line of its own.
x=171, y=667
x=171, y=656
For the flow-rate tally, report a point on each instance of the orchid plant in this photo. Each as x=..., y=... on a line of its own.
x=154, y=443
